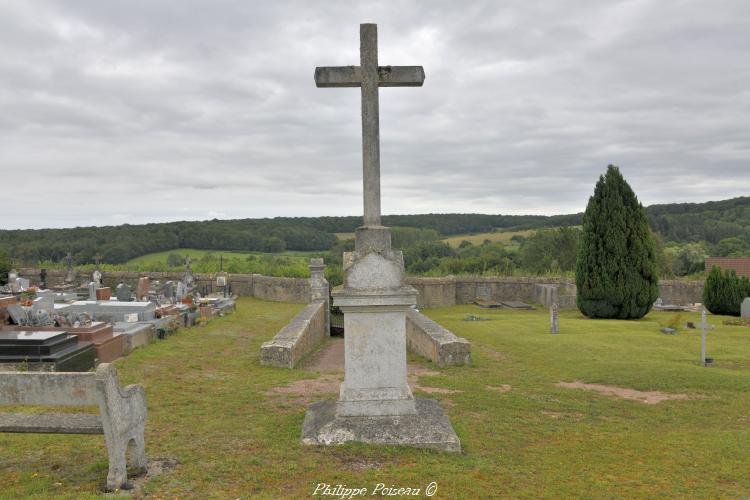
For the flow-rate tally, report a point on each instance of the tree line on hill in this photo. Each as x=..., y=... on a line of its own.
x=686, y=233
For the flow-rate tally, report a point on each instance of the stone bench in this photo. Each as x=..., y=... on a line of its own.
x=121, y=418
x=429, y=339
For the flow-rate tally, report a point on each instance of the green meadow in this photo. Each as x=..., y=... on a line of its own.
x=232, y=426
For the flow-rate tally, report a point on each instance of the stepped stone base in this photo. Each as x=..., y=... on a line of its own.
x=429, y=428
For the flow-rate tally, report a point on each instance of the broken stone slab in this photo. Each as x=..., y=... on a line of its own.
x=428, y=428
x=431, y=340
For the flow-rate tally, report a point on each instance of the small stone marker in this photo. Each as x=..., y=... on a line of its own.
x=745, y=308
x=103, y=293
x=70, y=275
x=92, y=290
x=704, y=360
x=554, y=323
x=123, y=292
x=143, y=287
x=43, y=279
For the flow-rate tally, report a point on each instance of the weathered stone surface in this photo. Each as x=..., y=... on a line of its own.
x=298, y=338
x=431, y=340
x=427, y=428
x=745, y=308
x=135, y=335
x=122, y=412
x=104, y=293
x=141, y=291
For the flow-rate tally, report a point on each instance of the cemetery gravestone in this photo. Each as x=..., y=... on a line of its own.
x=70, y=275
x=554, y=324
x=745, y=308
x=375, y=403
x=123, y=292
x=92, y=290
x=43, y=279
x=143, y=287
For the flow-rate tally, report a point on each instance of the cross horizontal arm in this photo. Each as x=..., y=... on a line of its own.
x=351, y=76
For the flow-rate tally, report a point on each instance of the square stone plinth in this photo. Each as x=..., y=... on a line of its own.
x=428, y=428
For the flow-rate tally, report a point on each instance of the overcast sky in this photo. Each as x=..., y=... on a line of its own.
x=148, y=111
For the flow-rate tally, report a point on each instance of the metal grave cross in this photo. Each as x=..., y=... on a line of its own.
x=369, y=76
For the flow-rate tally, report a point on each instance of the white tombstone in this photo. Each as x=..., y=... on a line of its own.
x=745, y=308
x=92, y=290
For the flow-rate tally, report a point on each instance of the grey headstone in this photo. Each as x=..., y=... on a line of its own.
x=92, y=286
x=23, y=283
x=123, y=292
x=181, y=291
x=96, y=277
x=745, y=308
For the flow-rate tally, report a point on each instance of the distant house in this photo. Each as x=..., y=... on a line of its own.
x=741, y=265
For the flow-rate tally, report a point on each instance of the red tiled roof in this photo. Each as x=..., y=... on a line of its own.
x=741, y=265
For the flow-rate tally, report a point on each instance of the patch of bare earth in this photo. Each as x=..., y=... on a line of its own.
x=154, y=467
x=556, y=415
x=329, y=362
x=647, y=397
x=500, y=388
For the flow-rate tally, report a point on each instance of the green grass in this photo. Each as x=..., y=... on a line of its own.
x=209, y=408
x=159, y=258
x=478, y=239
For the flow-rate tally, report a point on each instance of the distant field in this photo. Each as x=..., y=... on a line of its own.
x=344, y=236
x=195, y=254
x=478, y=239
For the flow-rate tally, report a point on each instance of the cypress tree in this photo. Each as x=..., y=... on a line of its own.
x=616, y=271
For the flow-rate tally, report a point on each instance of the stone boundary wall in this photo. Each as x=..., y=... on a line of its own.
x=298, y=338
x=680, y=292
x=433, y=292
x=429, y=339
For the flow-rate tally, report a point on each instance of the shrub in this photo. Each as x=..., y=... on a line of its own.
x=723, y=293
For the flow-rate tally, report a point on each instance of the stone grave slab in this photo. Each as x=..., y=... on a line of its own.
x=44, y=351
x=517, y=304
x=134, y=334
x=107, y=344
x=113, y=311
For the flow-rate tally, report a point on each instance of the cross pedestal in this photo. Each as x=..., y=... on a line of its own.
x=375, y=402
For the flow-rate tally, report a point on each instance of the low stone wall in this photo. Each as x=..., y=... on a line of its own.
x=433, y=292
x=299, y=337
x=429, y=339
x=280, y=289
x=680, y=292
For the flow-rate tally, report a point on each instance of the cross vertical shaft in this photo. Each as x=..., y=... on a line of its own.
x=368, y=53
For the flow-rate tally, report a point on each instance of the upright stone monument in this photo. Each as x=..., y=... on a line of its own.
x=70, y=274
x=319, y=289
x=375, y=402
x=554, y=321
x=745, y=308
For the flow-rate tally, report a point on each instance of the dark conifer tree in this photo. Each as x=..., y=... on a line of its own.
x=616, y=271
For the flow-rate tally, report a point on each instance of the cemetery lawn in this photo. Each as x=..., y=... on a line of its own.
x=213, y=408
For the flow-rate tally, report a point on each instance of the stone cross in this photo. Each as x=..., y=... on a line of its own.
x=703, y=336
x=369, y=76
x=554, y=322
